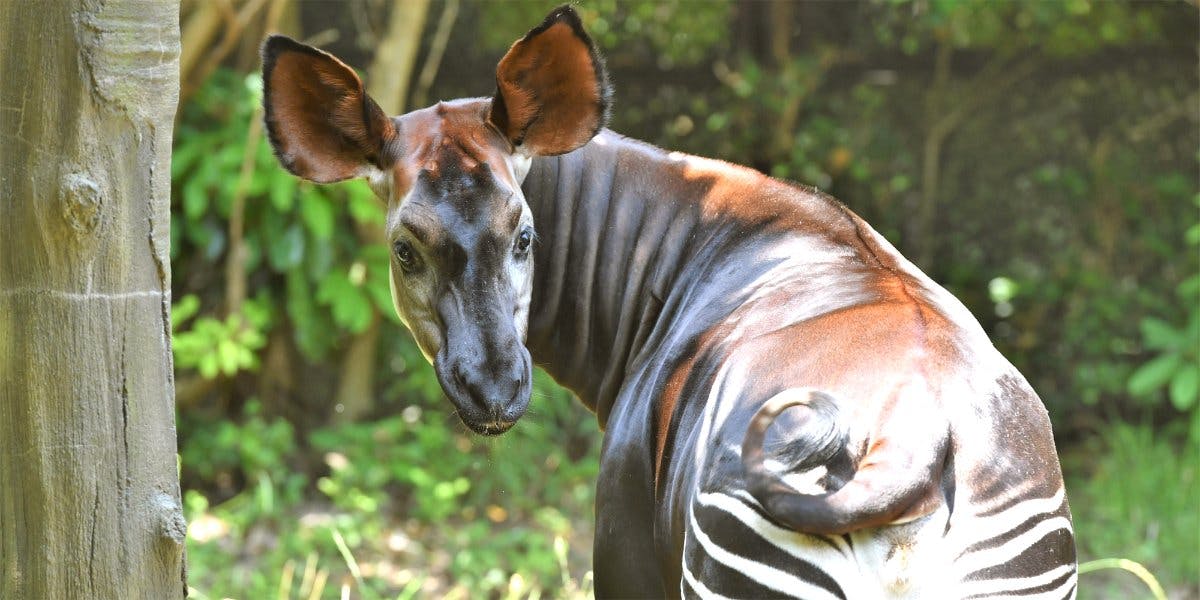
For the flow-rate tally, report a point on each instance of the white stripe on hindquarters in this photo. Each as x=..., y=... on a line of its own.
x=1007, y=588
x=781, y=582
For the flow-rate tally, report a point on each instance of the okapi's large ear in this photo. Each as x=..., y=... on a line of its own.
x=321, y=122
x=552, y=91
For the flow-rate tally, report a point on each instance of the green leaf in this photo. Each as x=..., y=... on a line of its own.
x=1185, y=386
x=1153, y=375
x=1193, y=234
x=331, y=287
x=208, y=366
x=227, y=356
x=258, y=312
x=186, y=308
x=283, y=190
x=1160, y=335
x=245, y=358
x=308, y=328
x=379, y=275
x=195, y=199
x=362, y=203
x=353, y=310
x=317, y=213
x=182, y=157
x=286, y=251
x=1189, y=288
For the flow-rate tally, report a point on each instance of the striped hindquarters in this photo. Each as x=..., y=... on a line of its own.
x=1022, y=549
x=733, y=549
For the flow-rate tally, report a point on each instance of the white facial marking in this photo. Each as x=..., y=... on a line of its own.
x=520, y=166
x=520, y=276
x=414, y=302
x=380, y=182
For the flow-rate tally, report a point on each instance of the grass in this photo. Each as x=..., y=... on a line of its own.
x=406, y=506
x=1134, y=495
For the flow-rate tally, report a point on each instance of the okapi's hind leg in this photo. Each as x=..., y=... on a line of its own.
x=625, y=560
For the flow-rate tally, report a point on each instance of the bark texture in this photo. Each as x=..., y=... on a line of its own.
x=89, y=491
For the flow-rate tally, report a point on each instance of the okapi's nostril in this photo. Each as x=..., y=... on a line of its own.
x=470, y=386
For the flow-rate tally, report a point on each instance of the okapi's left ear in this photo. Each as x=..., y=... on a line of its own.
x=552, y=91
x=320, y=120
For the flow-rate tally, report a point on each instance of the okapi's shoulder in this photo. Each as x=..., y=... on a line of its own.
x=722, y=193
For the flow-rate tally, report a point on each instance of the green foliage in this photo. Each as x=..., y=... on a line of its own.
x=1067, y=28
x=214, y=346
x=412, y=490
x=302, y=251
x=1175, y=367
x=419, y=464
x=256, y=447
x=1133, y=495
x=674, y=32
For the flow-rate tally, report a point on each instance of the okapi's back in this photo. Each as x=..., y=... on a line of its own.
x=677, y=295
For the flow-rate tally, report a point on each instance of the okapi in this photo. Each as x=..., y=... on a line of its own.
x=789, y=406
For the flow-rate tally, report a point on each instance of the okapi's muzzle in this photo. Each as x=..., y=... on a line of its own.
x=485, y=370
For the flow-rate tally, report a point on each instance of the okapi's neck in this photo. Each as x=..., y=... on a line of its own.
x=636, y=245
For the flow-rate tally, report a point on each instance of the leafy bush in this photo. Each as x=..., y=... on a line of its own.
x=1176, y=365
x=411, y=501
x=213, y=346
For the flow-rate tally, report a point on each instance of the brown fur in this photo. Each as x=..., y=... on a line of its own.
x=552, y=94
x=323, y=125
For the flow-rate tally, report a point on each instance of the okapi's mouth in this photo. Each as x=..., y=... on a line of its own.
x=489, y=400
x=495, y=428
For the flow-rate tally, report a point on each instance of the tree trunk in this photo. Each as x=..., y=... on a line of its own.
x=89, y=492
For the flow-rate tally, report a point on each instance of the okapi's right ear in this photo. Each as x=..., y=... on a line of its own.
x=321, y=122
x=552, y=91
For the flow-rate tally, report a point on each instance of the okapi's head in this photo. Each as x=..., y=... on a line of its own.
x=459, y=227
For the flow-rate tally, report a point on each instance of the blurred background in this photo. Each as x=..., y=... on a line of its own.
x=1039, y=159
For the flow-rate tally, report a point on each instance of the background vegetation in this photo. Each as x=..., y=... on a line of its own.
x=1037, y=158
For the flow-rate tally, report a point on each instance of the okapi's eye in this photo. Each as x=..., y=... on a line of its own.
x=406, y=256
x=523, y=240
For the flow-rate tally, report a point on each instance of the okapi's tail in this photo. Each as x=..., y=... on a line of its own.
x=891, y=483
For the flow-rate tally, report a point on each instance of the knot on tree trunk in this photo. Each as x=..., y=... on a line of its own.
x=82, y=203
x=171, y=525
